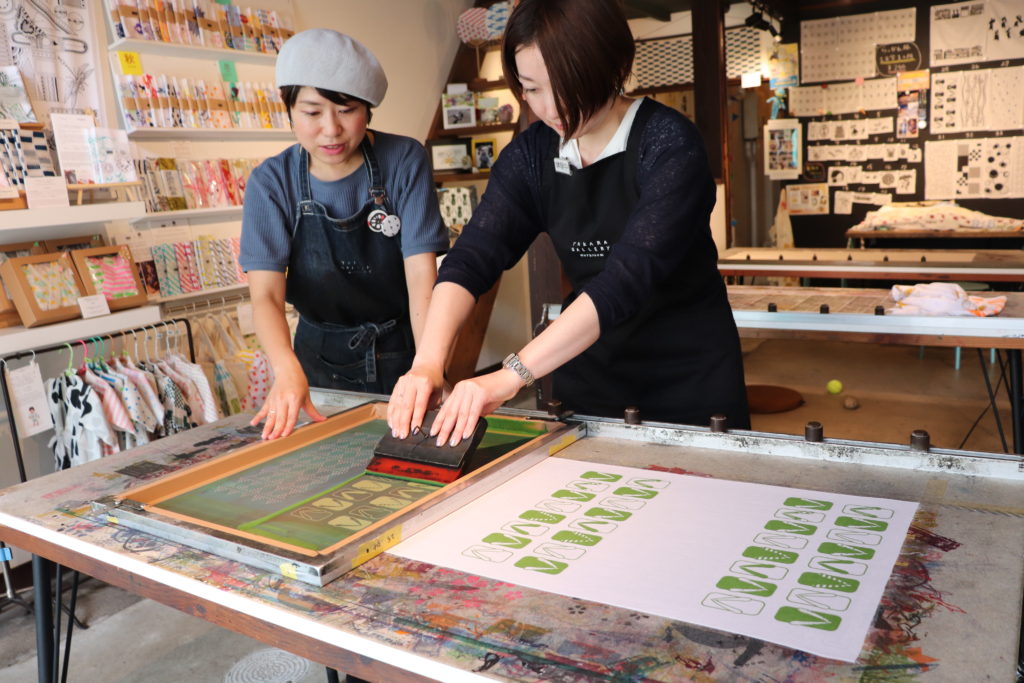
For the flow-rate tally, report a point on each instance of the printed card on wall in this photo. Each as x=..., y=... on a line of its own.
x=808, y=198
x=804, y=569
x=783, y=159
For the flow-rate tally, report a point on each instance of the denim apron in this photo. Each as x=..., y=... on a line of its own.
x=678, y=358
x=347, y=281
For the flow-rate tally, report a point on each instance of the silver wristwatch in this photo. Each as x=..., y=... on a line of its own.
x=513, y=363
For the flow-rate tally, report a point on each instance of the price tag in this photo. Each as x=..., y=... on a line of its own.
x=244, y=313
x=42, y=193
x=93, y=306
x=28, y=400
x=131, y=63
x=228, y=72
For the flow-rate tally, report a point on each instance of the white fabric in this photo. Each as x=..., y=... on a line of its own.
x=570, y=151
x=942, y=298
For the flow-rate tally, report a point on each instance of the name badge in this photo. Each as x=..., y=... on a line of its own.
x=562, y=166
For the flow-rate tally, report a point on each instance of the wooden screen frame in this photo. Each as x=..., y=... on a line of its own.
x=135, y=507
x=24, y=299
x=81, y=256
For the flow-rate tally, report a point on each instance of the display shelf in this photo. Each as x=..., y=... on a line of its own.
x=456, y=177
x=36, y=224
x=475, y=130
x=170, y=216
x=161, y=49
x=14, y=339
x=211, y=133
x=201, y=294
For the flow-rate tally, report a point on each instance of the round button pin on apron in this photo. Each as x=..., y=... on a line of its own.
x=390, y=226
x=376, y=219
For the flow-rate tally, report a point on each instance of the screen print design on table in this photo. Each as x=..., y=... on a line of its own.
x=575, y=517
x=825, y=570
x=320, y=494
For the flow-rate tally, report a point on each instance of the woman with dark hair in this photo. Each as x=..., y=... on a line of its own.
x=344, y=225
x=622, y=187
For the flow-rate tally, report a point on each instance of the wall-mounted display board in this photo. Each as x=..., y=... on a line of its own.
x=923, y=100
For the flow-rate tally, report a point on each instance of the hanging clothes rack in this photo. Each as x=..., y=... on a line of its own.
x=43, y=569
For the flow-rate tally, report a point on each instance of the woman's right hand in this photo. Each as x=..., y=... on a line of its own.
x=287, y=397
x=414, y=394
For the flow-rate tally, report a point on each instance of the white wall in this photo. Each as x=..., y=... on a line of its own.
x=414, y=40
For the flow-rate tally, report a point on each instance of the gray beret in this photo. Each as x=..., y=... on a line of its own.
x=322, y=58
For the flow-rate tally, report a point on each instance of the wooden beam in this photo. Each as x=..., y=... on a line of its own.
x=710, y=82
x=648, y=9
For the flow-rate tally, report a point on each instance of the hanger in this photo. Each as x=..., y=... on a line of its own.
x=71, y=358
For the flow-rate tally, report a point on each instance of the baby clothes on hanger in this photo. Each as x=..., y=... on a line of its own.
x=113, y=407
x=147, y=391
x=84, y=432
x=193, y=372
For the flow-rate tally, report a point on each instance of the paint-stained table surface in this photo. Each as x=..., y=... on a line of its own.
x=951, y=611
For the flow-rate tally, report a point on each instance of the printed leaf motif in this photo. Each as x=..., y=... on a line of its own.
x=819, y=599
x=809, y=618
x=507, y=540
x=762, y=570
x=770, y=554
x=572, y=495
x=526, y=528
x=539, y=516
x=791, y=527
x=866, y=524
x=731, y=602
x=631, y=492
x=560, y=551
x=846, y=550
x=487, y=553
x=809, y=503
x=781, y=541
x=749, y=586
x=541, y=565
x=800, y=515
x=839, y=565
x=871, y=511
x=576, y=537
x=604, y=513
x=853, y=536
x=601, y=476
x=829, y=582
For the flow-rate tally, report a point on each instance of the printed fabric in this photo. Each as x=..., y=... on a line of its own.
x=112, y=276
x=52, y=284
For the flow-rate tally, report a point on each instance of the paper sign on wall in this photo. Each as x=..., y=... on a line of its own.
x=806, y=199
x=783, y=157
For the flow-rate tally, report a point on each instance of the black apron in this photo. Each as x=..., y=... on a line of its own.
x=348, y=284
x=678, y=359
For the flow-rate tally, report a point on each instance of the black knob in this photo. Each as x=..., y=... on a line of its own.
x=813, y=431
x=919, y=440
x=879, y=310
x=632, y=415
x=823, y=309
x=772, y=308
x=719, y=423
x=554, y=407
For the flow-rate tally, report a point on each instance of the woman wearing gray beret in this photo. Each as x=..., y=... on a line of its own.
x=343, y=225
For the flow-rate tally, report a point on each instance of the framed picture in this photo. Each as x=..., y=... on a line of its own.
x=8, y=313
x=451, y=156
x=458, y=110
x=72, y=243
x=483, y=154
x=45, y=287
x=110, y=271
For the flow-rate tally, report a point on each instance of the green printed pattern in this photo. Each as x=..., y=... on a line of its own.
x=587, y=528
x=834, y=563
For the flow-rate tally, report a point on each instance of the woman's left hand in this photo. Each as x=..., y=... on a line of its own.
x=469, y=400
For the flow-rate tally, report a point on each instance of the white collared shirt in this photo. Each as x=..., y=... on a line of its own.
x=570, y=151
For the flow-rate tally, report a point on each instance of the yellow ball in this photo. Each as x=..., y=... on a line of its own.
x=834, y=386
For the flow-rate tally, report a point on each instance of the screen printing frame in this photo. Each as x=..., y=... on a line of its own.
x=135, y=509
